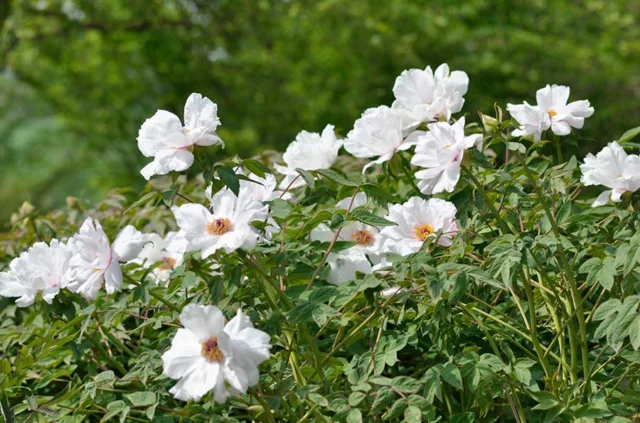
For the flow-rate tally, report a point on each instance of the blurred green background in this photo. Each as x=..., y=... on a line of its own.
x=78, y=77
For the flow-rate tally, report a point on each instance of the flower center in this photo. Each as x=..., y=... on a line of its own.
x=552, y=113
x=423, y=231
x=362, y=237
x=167, y=263
x=219, y=226
x=211, y=351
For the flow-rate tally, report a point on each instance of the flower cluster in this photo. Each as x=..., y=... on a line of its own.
x=209, y=355
x=81, y=265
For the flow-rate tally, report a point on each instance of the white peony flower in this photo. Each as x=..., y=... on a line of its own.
x=416, y=220
x=552, y=111
x=155, y=251
x=208, y=355
x=165, y=139
x=379, y=132
x=425, y=96
x=344, y=264
x=42, y=268
x=95, y=261
x=613, y=168
x=440, y=152
x=262, y=191
x=552, y=99
x=309, y=151
x=228, y=227
x=532, y=120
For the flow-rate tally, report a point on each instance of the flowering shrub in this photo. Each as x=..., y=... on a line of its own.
x=452, y=271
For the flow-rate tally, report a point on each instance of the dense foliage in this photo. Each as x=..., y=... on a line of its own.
x=523, y=305
x=79, y=75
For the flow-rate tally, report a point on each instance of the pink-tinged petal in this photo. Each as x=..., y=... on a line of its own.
x=113, y=277
x=163, y=130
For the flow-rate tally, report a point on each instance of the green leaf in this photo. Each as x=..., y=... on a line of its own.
x=354, y=416
x=634, y=333
x=406, y=384
x=396, y=409
x=336, y=177
x=279, y=208
x=142, y=399
x=629, y=135
x=7, y=414
x=369, y=218
x=336, y=220
x=432, y=383
x=356, y=398
x=378, y=194
x=308, y=177
x=148, y=197
x=516, y=146
x=626, y=315
x=105, y=379
x=545, y=400
x=606, y=273
x=383, y=398
x=229, y=177
x=318, y=399
x=169, y=195
x=607, y=308
x=467, y=417
x=256, y=167
x=451, y=375
x=413, y=414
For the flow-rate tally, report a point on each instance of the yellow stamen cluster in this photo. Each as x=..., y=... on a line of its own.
x=167, y=263
x=552, y=113
x=211, y=351
x=362, y=237
x=219, y=226
x=423, y=231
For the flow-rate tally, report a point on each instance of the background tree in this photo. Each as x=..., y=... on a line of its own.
x=80, y=76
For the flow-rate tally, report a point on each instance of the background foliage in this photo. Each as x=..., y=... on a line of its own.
x=80, y=76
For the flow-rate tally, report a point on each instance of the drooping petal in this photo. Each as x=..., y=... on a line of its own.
x=113, y=277
x=128, y=244
x=602, y=199
x=197, y=383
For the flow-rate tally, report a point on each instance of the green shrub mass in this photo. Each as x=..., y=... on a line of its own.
x=80, y=76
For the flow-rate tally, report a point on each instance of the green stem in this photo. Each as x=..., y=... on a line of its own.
x=558, y=149
x=504, y=226
x=100, y=348
x=265, y=406
x=575, y=292
x=153, y=294
x=534, y=326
